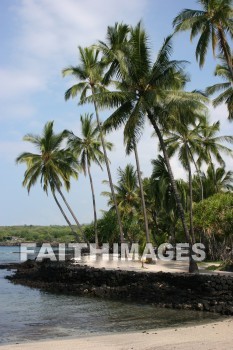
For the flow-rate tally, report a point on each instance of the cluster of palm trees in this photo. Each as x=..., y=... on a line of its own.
x=120, y=75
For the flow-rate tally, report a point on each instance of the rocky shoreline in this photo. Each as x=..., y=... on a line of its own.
x=212, y=293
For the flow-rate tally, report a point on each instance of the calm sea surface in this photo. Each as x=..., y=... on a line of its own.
x=28, y=314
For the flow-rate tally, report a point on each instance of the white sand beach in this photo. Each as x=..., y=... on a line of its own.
x=212, y=336
x=173, y=266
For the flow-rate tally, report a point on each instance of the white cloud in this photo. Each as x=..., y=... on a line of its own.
x=15, y=82
x=221, y=113
x=17, y=110
x=9, y=150
x=46, y=38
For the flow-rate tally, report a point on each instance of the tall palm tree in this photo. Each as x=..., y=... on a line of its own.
x=146, y=90
x=88, y=149
x=90, y=75
x=114, y=52
x=183, y=141
x=213, y=22
x=53, y=166
x=222, y=70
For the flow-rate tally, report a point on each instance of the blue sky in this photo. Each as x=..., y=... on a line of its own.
x=38, y=39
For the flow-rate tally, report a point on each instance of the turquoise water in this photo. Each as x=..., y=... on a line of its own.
x=28, y=314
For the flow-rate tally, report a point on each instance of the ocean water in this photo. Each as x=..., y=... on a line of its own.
x=27, y=314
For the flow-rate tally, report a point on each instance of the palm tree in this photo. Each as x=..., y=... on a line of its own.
x=223, y=178
x=126, y=190
x=213, y=23
x=139, y=174
x=114, y=49
x=147, y=90
x=184, y=141
x=90, y=75
x=52, y=166
x=212, y=145
x=215, y=180
x=114, y=52
x=227, y=88
x=131, y=146
x=128, y=200
x=167, y=214
x=88, y=149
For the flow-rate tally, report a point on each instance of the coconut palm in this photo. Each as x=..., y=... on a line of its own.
x=222, y=70
x=53, y=166
x=223, y=178
x=114, y=49
x=126, y=190
x=215, y=180
x=147, y=90
x=185, y=139
x=213, y=22
x=114, y=52
x=212, y=145
x=160, y=187
x=88, y=149
x=89, y=73
x=128, y=201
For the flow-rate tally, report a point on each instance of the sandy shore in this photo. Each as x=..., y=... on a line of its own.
x=212, y=336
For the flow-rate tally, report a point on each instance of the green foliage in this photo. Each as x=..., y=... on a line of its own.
x=108, y=228
x=227, y=266
x=225, y=88
x=215, y=214
x=213, y=22
x=11, y=234
x=52, y=166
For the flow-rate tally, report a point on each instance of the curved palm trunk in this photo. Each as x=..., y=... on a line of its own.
x=109, y=173
x=94, y=205
x=71, y=212
x=225, y=51
x=190, y=195
x=65, y=217
x=192, y=264
x=142, y=194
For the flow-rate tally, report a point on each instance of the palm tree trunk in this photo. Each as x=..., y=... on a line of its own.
x=94, y=205
x=192, y=264
x=71, y=212
x=214, y=174
x=65, y=217
x=190, y=195
x=199, y=175
x=224, y=45
x=109, y=172
x=142, y=194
